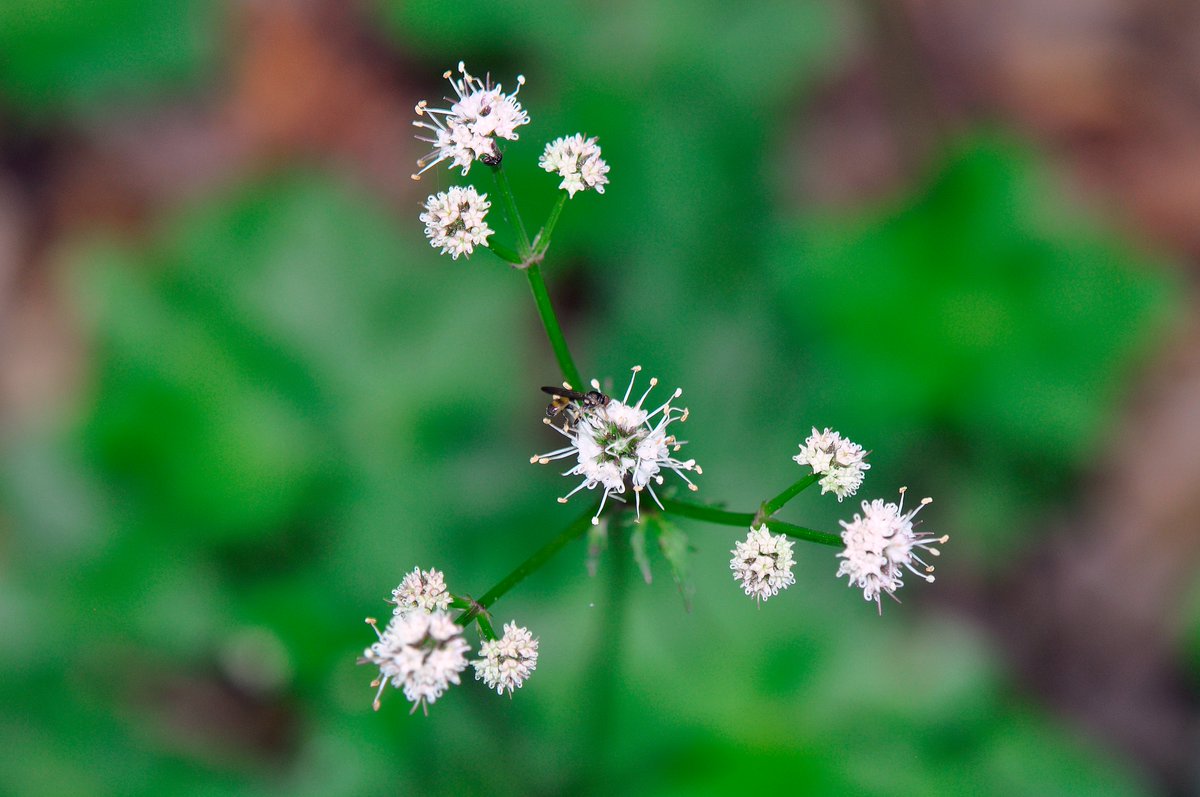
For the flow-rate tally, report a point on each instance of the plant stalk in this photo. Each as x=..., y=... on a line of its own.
x=776, y=503
x=539, y=557
x=542, y=242
x=745, y=519
x=510, y=208
x=558, y=342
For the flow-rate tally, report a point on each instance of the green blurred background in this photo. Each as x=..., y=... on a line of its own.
x=240, y=395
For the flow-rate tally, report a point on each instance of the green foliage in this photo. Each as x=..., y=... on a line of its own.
x=978, y=318
x=60, y=54
x=675, y=549
x=292, y=401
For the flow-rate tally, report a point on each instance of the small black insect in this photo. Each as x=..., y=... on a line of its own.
x=493, y=158
x=563, y=398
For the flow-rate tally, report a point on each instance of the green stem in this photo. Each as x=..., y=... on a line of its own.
x=808, y=535
x=510, y=207
x=708, y=513
x=604, y=680
x=530, y=565
x=745, y=519
x=485, y=627
x=542, y=242
x=554, y=332
x=504, y=253
x=776, y=503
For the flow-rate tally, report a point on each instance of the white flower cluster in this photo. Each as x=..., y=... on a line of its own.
x=507, y=661
x=618, y=445
x=880, y=544
x=763, y=563
x=420, y=653
x=837, y=459
x=421, y=590
x=577, y=160
x=456, y=220
x=422, y=650
x=468, y=129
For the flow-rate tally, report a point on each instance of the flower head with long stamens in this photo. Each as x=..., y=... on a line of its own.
x=508, y=661
x=763, y=563
x=467, y=130
x=419, y=653
x=881, y=544
x=577, y=160
x=456, y=220
x=840, y=462
x=421, y=591
x=619, y=445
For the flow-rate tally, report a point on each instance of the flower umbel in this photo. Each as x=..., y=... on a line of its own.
x=467, y=130
x=421, y=591
x=456, y=220
x=881, y=543
x=577, y=160
x=419, y=653
x=763, y=563
x=837, y=459
x=508, y=661
x=619, y=444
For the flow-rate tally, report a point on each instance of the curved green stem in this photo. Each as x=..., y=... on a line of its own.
x=776, y=503
x=708, y=513
x=542, y=242
x=554, y=332
x=510, y=208
x=806, y=534
x=746, y=519
x=530, y=565
x=485, y=626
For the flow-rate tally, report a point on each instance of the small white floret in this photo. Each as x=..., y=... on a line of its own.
x=881, y=543
x=508, y=661
x=423, y=591
x=421, y=654
x=620, y=445
x=839, y=462
x=456, y=220
x=763, y=563
x=577, y=160
x=467, y=130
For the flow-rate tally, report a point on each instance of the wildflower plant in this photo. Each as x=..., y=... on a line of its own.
x=613, y=449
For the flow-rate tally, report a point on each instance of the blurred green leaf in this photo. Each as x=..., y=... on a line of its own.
x=999, y=326
x=293, y=400
x=60, y=54
x=673, y=543
x=637, y=546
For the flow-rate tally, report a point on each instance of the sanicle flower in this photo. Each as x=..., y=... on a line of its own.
x=419, y=653
x=839, y=461
x=508, y=661
x=618, y=445
x=421, y=591
x=763, y=563
x=881, y=544
x=456, y=220
x=468, y=129
x=577, y=160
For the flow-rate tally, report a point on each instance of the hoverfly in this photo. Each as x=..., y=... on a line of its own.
x=563, y=398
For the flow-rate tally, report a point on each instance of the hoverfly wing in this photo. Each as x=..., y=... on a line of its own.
x=562, y=392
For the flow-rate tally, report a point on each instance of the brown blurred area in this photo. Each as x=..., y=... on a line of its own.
x=305, y=82
x=1110, y=90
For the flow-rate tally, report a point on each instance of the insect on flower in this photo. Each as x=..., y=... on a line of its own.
x=619, y=444
x=570, y=403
